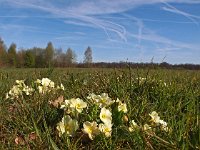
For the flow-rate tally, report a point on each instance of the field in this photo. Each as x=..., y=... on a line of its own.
x=164, y=105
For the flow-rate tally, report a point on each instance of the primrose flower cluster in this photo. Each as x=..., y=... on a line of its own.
x=18, y=90
x=42, y=86
x=101, y=105
x=142, y=80
x=155, y=122
x=46, y=85
x=97, y=116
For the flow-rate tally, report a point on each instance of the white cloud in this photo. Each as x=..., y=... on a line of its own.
x=172, y=9
x=86, y=13
x=89, y=7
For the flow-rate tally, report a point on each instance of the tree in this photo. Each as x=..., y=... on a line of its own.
x=70, y=56
x=3, y=53
x=59, y=58
x=49, y=53
x=20, y=58
x=88, y=55
x=12, y=54
x=29, y=59
x=39, y=57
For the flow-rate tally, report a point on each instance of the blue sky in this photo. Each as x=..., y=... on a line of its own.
x=116, y=30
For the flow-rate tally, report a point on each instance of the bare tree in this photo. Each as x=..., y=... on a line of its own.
x=70, y=56
x=88, y=55
x=49, y=53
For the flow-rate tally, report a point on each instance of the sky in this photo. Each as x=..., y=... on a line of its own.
x=116, y=30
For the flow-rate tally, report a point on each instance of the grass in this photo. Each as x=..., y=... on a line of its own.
x=30, y=122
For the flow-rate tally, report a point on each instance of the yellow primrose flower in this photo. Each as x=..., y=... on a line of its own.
x=67, y=125
x=164, y=125
x=133, y=126
x=101, y=100
x=47, y=82
x=78, y=104
x=157, y=120
x=154, y=117
x=62, y=87
x=18, y=90
x=41, y=90
x=61, y=127
x=28, y=90
x=141, y=80
x=20, y=82
x=65, y=104
x=15, y=91
x=104, y=100
x=162, y=122
x=71, y=125
x=7, y=96
x=117, y=101
x=122, y=106
x=106, y=116
x=146, y=127
x=165, y=128
x=106, y=129
x=93, y=97
x=38, y=81
x=91, y=129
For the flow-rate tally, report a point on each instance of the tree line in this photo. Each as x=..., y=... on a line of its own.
x=50, y=57
x=40, y=57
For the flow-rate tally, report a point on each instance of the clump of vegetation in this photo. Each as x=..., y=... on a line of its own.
x=102, y=109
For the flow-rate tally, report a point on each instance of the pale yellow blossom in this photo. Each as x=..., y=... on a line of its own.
x=41, y=90
x=38, y=81
x=78, y=104
x=164, y=125
x=146, y=127
x=61, y=127
x=133, y=126
x=65, y=104
x=154, y=117
x=104, y=100
x=62, y=87
x=94, y=98
x=106, y=116
x=28, y=90
x=91, y=129
x=67, y=125
x=106, y=129
x=47, y=83
x=122, y=106
x=20, y=82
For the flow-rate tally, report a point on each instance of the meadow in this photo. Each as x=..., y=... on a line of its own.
x=115, y=109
